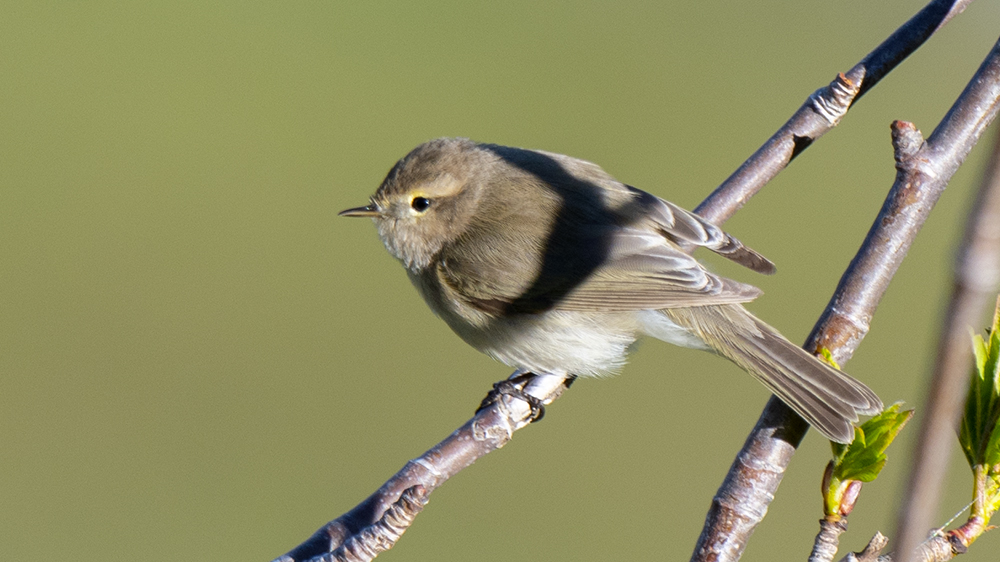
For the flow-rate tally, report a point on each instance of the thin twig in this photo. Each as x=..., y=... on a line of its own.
x=374, y=539
x=939, y=548
x=823, y=110
x=491, y=428
x=871, y=552
x=828, y=539
x=977, y=273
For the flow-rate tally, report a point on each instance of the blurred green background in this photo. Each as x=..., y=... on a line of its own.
x=199, y=360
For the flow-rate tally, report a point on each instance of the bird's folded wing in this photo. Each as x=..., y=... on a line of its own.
x=638, y=270
x=684, y=227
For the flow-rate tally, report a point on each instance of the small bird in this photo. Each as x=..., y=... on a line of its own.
x=550, y=265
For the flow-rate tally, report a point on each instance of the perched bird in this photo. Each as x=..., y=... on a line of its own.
x=548, y=264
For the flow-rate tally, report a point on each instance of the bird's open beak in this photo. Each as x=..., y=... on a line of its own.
x=366, y=211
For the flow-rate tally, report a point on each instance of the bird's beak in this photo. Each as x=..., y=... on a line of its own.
x=366, y=211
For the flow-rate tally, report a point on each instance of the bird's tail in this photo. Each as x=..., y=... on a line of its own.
x=828, y=399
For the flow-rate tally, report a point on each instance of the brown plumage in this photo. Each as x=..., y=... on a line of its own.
x=549, y=264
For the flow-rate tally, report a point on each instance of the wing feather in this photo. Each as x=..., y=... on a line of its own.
x=610, y=247
x=642, y=271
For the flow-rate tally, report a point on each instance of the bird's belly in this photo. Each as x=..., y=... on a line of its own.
x=555, y=342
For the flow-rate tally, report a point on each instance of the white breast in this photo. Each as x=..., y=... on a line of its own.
x=554, y=342
x=558, y=343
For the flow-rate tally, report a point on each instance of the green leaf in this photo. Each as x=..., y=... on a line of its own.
x=864, y=458
x=992, y=495
x=977, y=401
x=991, y=455
x=840, y=449
x=991, y=370
x=827, y=355
x=870, y=471
x=979, y=434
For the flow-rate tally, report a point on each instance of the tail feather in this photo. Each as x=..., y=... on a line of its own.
x=828, y=399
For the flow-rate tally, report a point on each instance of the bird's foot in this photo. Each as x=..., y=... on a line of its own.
x=514, y=386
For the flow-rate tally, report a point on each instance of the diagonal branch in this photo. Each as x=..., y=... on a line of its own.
x=742, y=500
x=977, y=273
x=362, y=531
x=823, y=110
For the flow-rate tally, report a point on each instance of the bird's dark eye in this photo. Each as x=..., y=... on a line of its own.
x=420, y=204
